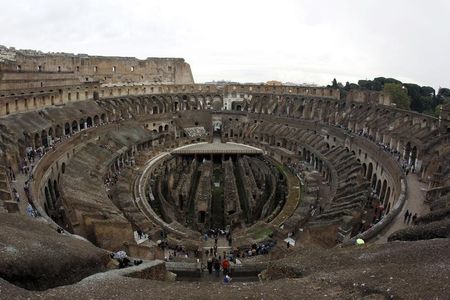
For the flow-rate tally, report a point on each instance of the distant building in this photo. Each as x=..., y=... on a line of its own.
x=274, y=82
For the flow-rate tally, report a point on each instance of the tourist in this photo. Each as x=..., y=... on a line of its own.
x=216, y=264
x=414, y=218
x=209, y=264
x=225, y=266
x=406, y=216
x=409, y=218
x=30, y=211
x=122, y=258
x=226, y=279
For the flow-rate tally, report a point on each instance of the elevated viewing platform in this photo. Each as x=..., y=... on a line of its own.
x=217, y=148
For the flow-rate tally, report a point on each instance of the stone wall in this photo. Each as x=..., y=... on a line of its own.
x=32, y=69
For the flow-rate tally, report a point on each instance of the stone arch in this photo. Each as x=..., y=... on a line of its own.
x=74, y=126
x=89, y=122
x=37, y=140
x=27, y=140
x=364, y=169
x=96, y=120
x=44, y=138
x=374, y=180
x=387, y=196
x=103, y=117
x=82, y=123
x=58, y=131
x=48, y=200
x=378, y=187
x=413, y=155
x=51, y=192
x=67, y=128
x=407, y=150
x=369, y=171
x=383, y=190
x=55, y=188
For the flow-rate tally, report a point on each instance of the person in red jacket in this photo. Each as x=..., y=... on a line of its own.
x=226, y=266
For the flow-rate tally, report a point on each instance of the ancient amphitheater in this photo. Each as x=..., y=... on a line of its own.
x=108, y=154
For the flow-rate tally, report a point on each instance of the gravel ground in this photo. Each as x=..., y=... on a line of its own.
x=398, y=270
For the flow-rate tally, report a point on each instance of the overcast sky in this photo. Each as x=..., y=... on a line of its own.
x=249, y=41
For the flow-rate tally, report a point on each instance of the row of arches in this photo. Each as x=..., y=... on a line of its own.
x=380, y=188
x=46, y=137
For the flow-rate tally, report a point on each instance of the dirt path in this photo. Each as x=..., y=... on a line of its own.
x=415, y=196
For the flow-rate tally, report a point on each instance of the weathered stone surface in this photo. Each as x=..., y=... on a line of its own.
x=371, y=271
x=35, y=256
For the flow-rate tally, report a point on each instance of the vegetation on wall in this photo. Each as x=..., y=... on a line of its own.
x=411, y=96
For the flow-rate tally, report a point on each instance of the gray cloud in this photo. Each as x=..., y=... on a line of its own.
x=297, y=41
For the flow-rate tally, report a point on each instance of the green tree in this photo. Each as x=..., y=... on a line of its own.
x=399, y=95
x=444, y=92
x=334, y=84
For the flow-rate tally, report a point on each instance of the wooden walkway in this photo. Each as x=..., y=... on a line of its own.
x=293, y=198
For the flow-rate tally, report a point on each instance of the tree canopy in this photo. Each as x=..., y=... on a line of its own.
x=412, y=96
x=399, y=94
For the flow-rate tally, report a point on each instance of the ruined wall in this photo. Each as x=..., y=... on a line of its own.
x=371, y=97
x=203, y=195
x=21, y=69
x=231, y=197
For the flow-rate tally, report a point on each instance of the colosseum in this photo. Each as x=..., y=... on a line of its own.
x=123, y=178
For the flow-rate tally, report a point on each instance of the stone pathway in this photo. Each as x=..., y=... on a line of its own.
x=415, y=196
x=19, y=183
x=222, y=245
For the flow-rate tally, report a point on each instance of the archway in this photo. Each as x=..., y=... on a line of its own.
x=44, y=138
x=58, y=131
x=89, y=122
x=369, y=171
x=47, y=198
x=50, y=133
x=74, y=126
x=37, y=140
x=407, y=151
x=374, y=181
x=82, y=124
x=66, y=129
x=388, y=194
x=413, y=156
x=55, y=188
x=383, y=190
x=378, y=187
x=52, y=192
x=103, y=118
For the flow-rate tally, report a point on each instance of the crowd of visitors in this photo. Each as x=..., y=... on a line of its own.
x=406, y=165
